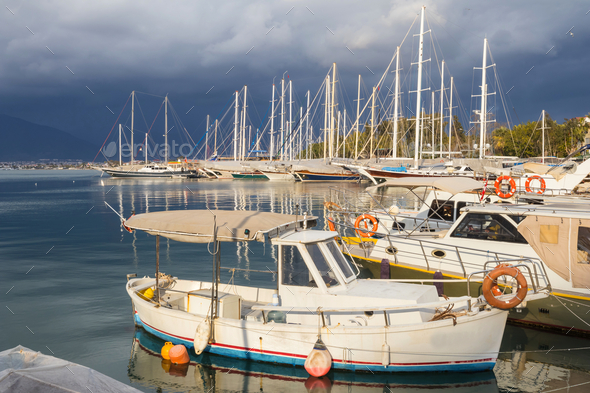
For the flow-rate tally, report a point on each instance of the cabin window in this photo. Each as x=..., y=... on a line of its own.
x=488, y=227
x=517, y=219
x=549, y=234
x=294, y=270
x=340, y=259
x=322, y=265
x=441, y=210
x=583, y=245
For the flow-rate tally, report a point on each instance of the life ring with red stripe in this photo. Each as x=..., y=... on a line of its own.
x=363, y=218
x=498, y=187
x=527, y=185
x=491, y=292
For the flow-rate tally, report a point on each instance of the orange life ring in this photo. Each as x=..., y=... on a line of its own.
x=331, y=224
x=527, y=185
x=364, y=218
x=490, y=287
x=498, y=186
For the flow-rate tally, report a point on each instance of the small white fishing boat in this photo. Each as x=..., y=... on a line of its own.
x=366, y=325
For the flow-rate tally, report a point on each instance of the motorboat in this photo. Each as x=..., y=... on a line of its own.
x=483, y=236
x=366, y=325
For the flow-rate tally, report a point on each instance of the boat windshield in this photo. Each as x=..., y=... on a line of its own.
x=488, y=227
x=340, y=260
x=295, y=270
x=323, y=266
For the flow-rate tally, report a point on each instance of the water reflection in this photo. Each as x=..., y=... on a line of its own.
x=535, y=360
x=211, y=373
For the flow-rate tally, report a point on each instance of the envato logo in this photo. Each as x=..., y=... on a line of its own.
x=157, y=150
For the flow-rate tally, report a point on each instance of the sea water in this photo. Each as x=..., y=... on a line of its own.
x=64, y=257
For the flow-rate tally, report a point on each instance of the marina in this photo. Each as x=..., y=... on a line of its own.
x=114, y=254
x=322, y=198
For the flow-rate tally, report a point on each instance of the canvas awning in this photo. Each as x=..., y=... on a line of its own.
x=196, y=226
x=451, y=184
x=563, y=243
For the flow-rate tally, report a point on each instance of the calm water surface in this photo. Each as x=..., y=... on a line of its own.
x=64, y=257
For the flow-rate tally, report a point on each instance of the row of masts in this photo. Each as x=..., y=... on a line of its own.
x=283, y=147
x=288, y=141
x=145, y=141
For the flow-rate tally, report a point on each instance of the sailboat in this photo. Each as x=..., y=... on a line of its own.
x=147, y=169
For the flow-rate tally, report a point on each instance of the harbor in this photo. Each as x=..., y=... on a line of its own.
x=279, y=197
x=92, y=295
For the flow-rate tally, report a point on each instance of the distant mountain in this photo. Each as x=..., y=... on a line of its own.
x=21, y=140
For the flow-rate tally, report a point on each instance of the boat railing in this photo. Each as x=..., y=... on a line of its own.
x=463, y=253
x=362, y=309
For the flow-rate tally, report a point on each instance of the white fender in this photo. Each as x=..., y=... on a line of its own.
x=202, y=336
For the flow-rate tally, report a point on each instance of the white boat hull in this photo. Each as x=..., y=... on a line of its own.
x=427, y=346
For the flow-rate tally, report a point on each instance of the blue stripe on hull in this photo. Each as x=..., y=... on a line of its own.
x=311, y=177
x=269, y=358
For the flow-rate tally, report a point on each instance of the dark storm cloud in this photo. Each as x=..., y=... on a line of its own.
x=183, y=48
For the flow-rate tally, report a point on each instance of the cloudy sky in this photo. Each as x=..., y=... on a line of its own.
x=63, y=62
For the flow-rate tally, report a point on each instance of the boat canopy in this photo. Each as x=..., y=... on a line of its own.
x=563, y=243
x=197, y=226
x=451, y=184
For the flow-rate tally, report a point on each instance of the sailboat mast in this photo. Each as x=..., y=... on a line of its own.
x=358, y=103
x=451, y=117
x=419, y=88
x=395, y=106
x=145, y=148
x=326, y=115
x=215, y=140
x=272, y=122
x=282, y=118
x=543, y=139
x=132, y=118
x=207, y=138
x=332, y=108
x=372, y=122
x=442, y=97
x=120, y=156
x=290, y=120
x=236, y=129
x=166, y=133
x=344, y=134
x=244, y=122
x=300, y=147
x=432, y=124
x=482, y=136
x=307, y=127
x=337, y=135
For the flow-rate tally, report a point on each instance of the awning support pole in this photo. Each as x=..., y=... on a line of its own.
x=158, y=269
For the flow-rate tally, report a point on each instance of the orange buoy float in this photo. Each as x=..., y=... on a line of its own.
x=166, y=349
x=527, y=185
x=491, y=291
x=178, y=354
x=319, y=360
x=363, y=218
x=498, y=187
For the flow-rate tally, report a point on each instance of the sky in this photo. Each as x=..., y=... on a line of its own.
x=73, y=64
